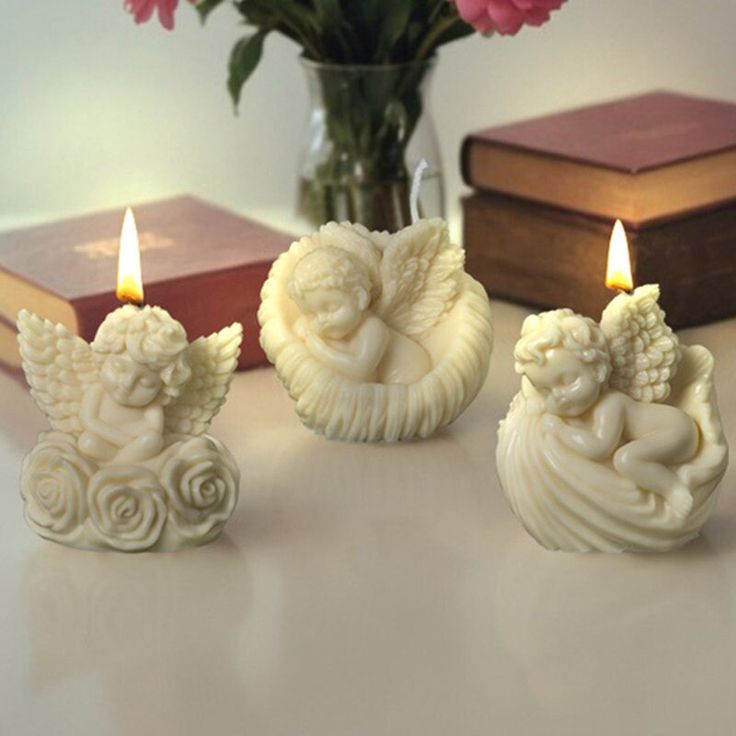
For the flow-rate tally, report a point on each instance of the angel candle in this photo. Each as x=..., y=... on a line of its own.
x=127, y=464
x=614, y=441
x=377, y=336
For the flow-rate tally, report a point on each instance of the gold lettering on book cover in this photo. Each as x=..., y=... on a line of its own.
x=669, y=130
x=108, y=247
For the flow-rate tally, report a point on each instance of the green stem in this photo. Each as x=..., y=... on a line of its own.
x=345, y=46
x=300, y=37
x=438, y=8
x=430, y=39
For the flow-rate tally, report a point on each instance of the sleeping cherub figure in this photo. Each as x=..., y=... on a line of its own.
x=377, y=336
x=614, y=441
x=565, y=357
x=333, y=288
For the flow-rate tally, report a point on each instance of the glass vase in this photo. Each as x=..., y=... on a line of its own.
x=369, y=127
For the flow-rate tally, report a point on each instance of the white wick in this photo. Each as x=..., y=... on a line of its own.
x=416, y=185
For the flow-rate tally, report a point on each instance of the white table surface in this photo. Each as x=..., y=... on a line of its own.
x=364, y=590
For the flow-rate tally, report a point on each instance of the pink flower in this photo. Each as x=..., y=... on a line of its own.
x=505, y=16
x=142, y=11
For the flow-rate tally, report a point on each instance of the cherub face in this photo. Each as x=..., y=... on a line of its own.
x=568, y=386
x=331, y=313
x=129, y=383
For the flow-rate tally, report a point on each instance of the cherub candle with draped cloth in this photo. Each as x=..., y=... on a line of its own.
x=614, y=441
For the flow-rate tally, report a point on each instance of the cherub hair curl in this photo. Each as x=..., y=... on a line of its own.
x=563, y=328
x=329, y=267
x=152, y=338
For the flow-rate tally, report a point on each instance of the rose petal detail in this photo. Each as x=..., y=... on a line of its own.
x=201, y=482
x=53, y=484
x=126, y=504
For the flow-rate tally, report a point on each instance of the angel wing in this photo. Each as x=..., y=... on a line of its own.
x=58, y=366
x=213, y=360
x=693, y=391
x=421, y=273
x=645, y=353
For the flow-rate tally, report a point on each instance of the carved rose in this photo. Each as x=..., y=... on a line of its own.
x=126, y=504
x=53, y=484
x=201, y=482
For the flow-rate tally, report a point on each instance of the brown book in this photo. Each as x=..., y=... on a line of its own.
x=546, y=257
x=642, y=159
x=203, y=264
x=9, y=352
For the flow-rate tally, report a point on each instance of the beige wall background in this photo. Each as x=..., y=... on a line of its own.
x=97, y=112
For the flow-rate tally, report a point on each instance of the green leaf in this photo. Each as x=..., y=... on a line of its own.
x=338, y=40
x=293, y=18
x=243, y=61
x=454, y=32
x=395, y=22
x=295, y=14
x=205, y=7
x=329, y=10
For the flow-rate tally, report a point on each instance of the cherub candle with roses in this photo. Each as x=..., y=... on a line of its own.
x=127, y=464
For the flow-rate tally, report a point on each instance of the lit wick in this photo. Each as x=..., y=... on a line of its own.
x=130, y=281
x=618, y=270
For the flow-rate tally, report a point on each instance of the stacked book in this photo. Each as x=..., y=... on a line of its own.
x=548, y=190
x=203, y=264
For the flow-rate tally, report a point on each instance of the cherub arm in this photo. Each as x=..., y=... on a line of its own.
x=301, y=328
x=148, y=443
x=155, y=417
x=371, y=342
x=90, y=416
x=599, y=442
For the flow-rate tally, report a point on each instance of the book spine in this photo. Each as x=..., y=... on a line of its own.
x=535, y=255
x=9, y=349
x=466, y=151
x=544, y=257
x=202, y=303
x=694, y=260
x=13, y=371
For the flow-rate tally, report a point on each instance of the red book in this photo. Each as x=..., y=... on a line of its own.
x=9, y=353
x=647, y=158
x=203, y=264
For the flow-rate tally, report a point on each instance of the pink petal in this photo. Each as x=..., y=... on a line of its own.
x=142, y=10
x=532, y=5
x=537, y=17
x=472, y=11
x=506, y=17
x=166, y=10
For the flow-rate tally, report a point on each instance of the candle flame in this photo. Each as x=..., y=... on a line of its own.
x=618, y=272
x=130, y=282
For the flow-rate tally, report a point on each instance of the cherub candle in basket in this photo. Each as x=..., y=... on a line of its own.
x=127, y=464
x=614, y=441
x=376, y=336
